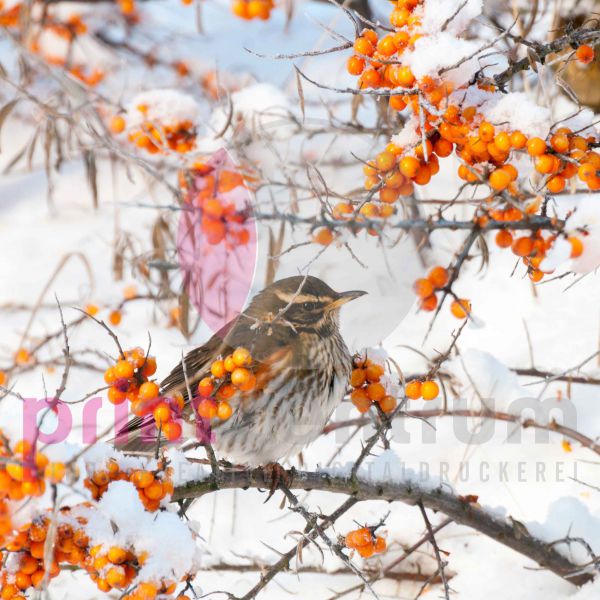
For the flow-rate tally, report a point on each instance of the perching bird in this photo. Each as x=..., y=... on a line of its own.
x=302, y=364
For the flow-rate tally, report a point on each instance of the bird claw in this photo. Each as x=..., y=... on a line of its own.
x=278, y=476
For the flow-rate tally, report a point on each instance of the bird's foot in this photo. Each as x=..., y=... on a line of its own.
x=277, y=477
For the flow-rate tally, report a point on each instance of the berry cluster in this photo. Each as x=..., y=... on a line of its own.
x=229, y=376
x=531, y=248
x=153, y=136
x=252, y=9
x=415, y=389
x=365, y=542
x=366, y=379
x=486, y=151
x=426, y=289
x=23, y=471
x=220, y=194
x=152, y=486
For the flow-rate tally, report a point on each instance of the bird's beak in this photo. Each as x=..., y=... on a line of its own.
x=344, y=297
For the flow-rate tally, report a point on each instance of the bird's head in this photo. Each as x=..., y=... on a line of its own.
x=303, y=302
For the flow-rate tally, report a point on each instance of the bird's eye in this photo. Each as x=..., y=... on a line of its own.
x=308, y=305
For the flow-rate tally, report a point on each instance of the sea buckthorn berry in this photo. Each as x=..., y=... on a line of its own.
x=385, y=161
x=397, y=103
x=162, y=413
x=502, y=141
x=240, y=376
x=438, y=276
x=375, y=391
x=380, y=544
x=226, y=391
x=387, y=404
x=124, y=369
x=499, y=179
x=218, y=369
x=148, y=391
x=115, y=317
x=576, y=247
x=409, y=166
x=536, y=146
x=386, y=45
x=207, y=408
x=423, y=288
x=443, y=148
x=560, y=142
x=374, y=372
x=545, y=163
x=586, y=171
x=460, y=308
x=359, y=537
x=224, y=410
x=358, y=377
x=142, y=479
x=518, y=140
x=116, y=396
x=585, y=54
x=363, y=46
x=229, y=363
x=249, y=385
x=504, y=239
x=117, y=124
x=405, y=77
x=355, y=65
x=486, y=131
x=428, y=304
x=429, y=390
x=369, y=78
x=206, y=387
x=172, y=430
x=361, y=400
x=523, y=246
x=323, y=236
x=556, y=184
x=413, y=389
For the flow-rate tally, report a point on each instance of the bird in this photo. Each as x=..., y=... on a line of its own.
x=302, y=363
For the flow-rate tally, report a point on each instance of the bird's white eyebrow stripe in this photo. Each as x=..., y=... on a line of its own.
x=292, y=297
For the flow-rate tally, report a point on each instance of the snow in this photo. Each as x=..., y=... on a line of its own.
x=456, y=14
x=169, y=107
x=236, y=527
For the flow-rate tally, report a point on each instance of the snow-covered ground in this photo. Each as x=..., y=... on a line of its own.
x=533, y=476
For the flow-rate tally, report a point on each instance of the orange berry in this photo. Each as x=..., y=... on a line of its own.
x=358, y=377
x=359, y=537
x=560, y=142
x=443, y=148
x=224, y=410
x=423, y=288
x=409, y=166
x=386, y=45
x=148, y=391
x=413, y=389
x=585, y=54
x=430, y=303
x=142, y=479
x=380, y=545
x=502, y=141
x=323, y=236
x=55, y=472
x=369, y=78
x=374, y=372
x=387, y=404
x=116, y=396
x=229, y=363
x=429, y=390
x=91, y=309
x=361, y=400
x=155, y=491
x=438, y=276
x=149, y=367
x=241, y=357
x=499, y=180
x=375, y=392
x=206, y=387
x=115, y=317
x=405, y=77
x=517, y=140
x=249, y=385
x=522, y=246
x=355, y=65
x=207, y=408
x=397, y=103
x=586, y=172
x=22, y=356
x=172, y=431
x=162, y=413
x=576, y=247
x=117, y=555
x=240, y=376
x=117, y=124
x=556, y=184
x=363, y=46
x=385, y=161
x=545, y=163
x=218, y=369
x=504, y=239
x=124, y=369
x=536, y=146
x=460, y=308
x=486, y=131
